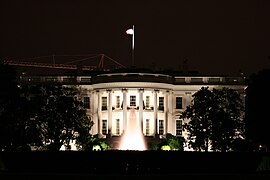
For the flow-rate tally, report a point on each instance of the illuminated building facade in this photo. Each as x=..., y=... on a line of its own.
x=157, y=99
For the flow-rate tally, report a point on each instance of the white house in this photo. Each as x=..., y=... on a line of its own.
x=154, y=100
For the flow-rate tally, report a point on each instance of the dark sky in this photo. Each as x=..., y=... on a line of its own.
x=215, y=36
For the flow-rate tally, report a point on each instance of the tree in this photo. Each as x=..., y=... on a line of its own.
x=13, y=112
x=61, y=116
x=200, y=119
x=227, y=120
x=214, y=119
x=257, y=109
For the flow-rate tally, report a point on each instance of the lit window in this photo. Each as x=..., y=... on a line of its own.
x=178, y=127
x=161, y=127
x=161, y=103
x=147, y=127
x=117, y=101
x=86, y=102
x=132, y=101
x=104, y=126
x=104, y=103
x=147, y=105
x=117, y=126
x=179, y=104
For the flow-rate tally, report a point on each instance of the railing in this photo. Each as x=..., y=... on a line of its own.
x=135, y=77
x=209, y=80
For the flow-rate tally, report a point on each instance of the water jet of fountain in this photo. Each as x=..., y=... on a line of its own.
x=133, y=138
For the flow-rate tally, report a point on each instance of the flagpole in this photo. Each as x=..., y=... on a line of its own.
x=131, y=32
x=133, y=38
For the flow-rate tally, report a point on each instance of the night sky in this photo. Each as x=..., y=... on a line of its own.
x=212, y=36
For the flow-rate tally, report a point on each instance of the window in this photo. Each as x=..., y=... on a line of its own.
x=161, y=103
x=161, y=127
x=147, y=127
x=50, y=79
x=179, y=104
x=147, y=105
x=104, y=126
x=104, y=103
x=68, y=79
x=86, y=102
x=85, y=79
x=132, y=101
x=117, y=101
x=178, y=127
x=117, y=126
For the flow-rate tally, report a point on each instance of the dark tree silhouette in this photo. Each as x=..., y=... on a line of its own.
x=14, y=114
x=257, y=109
x=60, y=117
x=215, y=119
x=227, y=120
x=198, y=128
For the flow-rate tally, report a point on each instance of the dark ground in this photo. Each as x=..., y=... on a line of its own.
x=67, y=176
x=134, y=165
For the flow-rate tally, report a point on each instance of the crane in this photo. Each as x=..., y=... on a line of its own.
x=67, y=65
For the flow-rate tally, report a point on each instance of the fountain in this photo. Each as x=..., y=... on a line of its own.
x=133, y=138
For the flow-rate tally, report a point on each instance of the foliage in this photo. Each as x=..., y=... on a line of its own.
x=227, y=120
x=175, y=143
x=91, y=143
x=105, y=146
x=215, y=119
x=257, y=109
x=60, y=117
x=165, y=148
x=14, y=116
x=169, y=142
x=45, y=116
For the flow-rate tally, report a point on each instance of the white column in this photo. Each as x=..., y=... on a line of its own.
x=141, y=107
x=99, y=112
x=110, y=112
x=166, y=124
x=94, y=112
x=124, y=109
x=155, y=111
x=171, y=119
